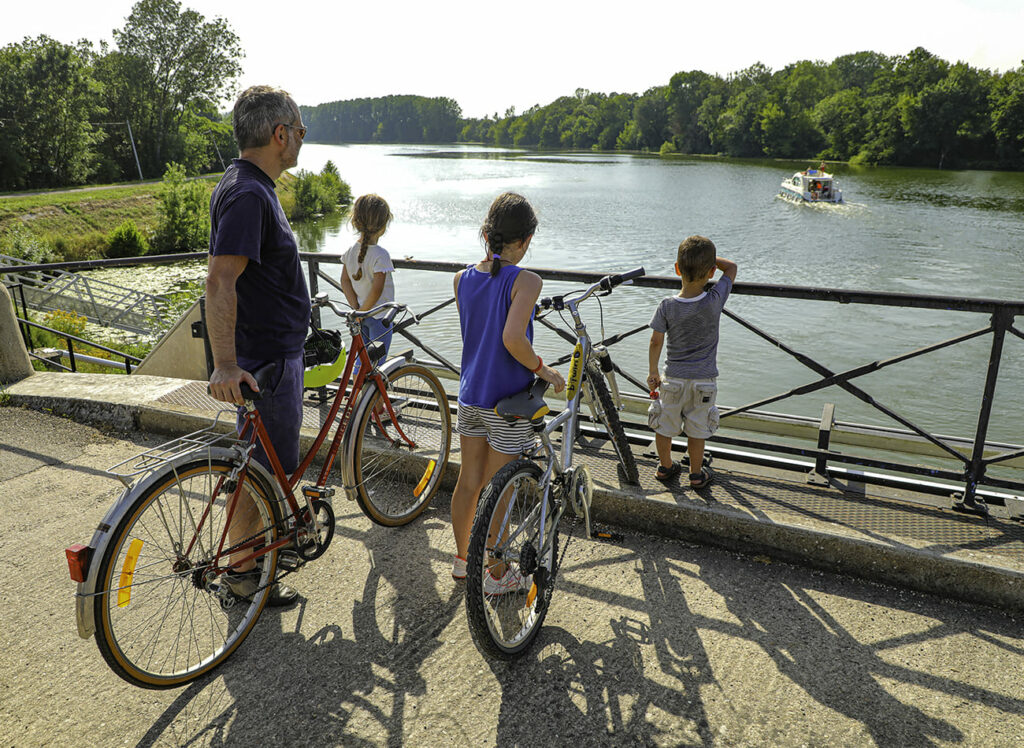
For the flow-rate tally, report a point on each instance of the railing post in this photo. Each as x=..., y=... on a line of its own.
x=975, y=470
x=819, y=476
x=314, y=287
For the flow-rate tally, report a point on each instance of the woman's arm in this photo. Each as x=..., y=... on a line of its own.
x=348, y=289
x=375, y=291
x=525, y=292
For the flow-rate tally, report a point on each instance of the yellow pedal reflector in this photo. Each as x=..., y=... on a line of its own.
x=425, y=479
x=124, y=594
x=531, y=595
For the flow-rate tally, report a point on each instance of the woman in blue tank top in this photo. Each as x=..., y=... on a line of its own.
x=496, y=299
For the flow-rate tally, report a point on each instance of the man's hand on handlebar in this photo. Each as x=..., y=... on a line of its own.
x=226, y=383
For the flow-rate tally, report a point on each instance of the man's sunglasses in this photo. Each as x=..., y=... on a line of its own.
x=300, y=130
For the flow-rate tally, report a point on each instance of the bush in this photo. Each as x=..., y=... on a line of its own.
x=316, y=194
x=668, y=147
x=19, y=242
x=184, y=213
x=127, y=241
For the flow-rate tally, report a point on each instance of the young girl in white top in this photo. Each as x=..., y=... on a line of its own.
x=366, y=270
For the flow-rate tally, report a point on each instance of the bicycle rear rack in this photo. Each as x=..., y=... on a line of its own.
x=168, y=452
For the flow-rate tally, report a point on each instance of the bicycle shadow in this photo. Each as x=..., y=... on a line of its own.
x=286, y=687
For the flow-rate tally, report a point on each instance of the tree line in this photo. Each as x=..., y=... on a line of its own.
x=913, y=109
x=384, y=119
x=69, y=113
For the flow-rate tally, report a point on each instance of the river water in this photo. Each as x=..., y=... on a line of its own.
x=900, y=230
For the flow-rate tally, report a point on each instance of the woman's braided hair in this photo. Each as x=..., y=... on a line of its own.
x=370, y=217
x=509, y=220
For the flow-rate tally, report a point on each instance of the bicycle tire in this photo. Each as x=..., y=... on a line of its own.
x=504, y=626
x=394, y=484
x=158, y=625
x=609, y=416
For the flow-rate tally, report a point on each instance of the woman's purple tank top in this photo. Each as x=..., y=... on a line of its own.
x=489, y=372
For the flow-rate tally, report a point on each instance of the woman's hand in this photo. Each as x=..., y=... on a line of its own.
x=552, y=377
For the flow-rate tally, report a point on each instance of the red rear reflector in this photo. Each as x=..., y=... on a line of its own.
x=78, y=561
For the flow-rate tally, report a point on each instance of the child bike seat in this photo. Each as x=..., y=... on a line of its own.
x=528, y=404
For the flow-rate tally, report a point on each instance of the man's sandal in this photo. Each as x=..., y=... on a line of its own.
x=702, y=479
x=665, y=474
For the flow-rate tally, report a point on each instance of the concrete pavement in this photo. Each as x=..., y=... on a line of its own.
x=649, y=641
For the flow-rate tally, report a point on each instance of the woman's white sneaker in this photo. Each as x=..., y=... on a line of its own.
x=511, y=581
x=459, y=569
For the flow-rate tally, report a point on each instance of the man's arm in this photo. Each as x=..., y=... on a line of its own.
x=221, y=313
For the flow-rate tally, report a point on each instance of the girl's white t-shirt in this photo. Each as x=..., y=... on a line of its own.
x=377, y=260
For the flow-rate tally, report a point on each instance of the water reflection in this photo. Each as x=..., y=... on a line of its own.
x=313, y=234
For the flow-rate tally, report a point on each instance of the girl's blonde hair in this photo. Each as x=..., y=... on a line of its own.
x=370, y=217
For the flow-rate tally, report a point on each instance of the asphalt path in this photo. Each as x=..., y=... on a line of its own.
x=648, y=642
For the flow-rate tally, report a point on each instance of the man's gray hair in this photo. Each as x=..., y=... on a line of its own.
x=256, y=112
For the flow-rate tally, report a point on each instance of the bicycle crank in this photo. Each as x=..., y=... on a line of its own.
x=312, y=539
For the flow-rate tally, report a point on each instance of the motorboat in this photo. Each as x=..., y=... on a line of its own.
x=811, y=186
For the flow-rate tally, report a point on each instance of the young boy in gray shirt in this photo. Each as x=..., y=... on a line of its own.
x=686, y=402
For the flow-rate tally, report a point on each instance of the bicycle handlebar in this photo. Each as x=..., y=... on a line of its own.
x=393, y=309
x=606, y=284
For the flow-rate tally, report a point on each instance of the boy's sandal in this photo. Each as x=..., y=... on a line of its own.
x=702, y=479
x=666, y=474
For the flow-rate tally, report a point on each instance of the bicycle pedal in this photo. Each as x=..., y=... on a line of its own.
x=600, y=533
x=289, y=560
x=317, y=492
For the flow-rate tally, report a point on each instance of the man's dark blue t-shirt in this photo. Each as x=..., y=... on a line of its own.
x=273, y=301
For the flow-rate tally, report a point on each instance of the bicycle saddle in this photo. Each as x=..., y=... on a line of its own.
x=528, y=404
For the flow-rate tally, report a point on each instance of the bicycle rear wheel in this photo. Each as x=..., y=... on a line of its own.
x=609, y=416
x=504, y=622
x=396, y=480
x=161, y=619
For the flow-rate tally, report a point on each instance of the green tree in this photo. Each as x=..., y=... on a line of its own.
x=1007, y=106
x=188, y=60
x=946, y=117
x=841, y=118
x=184, y=213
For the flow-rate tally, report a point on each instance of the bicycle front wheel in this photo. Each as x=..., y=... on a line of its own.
x=398, y=463
x=609, y=416
x=507, y=591
x=162, y=618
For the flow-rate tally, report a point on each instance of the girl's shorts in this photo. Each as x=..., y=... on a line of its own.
x=685, y=406
x=502, y=436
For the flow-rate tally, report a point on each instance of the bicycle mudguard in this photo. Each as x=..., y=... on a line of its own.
x=348, y=480
x=528, y=404
x=84, y=608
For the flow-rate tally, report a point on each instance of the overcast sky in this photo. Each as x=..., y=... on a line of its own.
x=490, y=56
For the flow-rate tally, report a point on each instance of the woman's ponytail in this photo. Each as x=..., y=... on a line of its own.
x=497, y=244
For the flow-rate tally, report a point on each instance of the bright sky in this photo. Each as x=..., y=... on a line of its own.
x=490, y=56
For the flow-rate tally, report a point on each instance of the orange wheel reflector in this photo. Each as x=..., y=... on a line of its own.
x=425, y=479
x=124, y=594
x=531, y=595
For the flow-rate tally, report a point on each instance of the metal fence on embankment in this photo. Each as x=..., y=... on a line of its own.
x=965, y=468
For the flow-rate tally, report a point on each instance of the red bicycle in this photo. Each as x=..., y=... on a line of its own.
x=151, y=584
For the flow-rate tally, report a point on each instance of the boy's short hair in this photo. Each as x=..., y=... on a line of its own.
x=696, y=257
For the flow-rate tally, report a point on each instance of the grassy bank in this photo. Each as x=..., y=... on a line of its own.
x=77, y=224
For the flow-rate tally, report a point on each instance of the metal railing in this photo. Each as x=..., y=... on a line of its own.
x=973, y=457
x=974, y=462
x=51, y=288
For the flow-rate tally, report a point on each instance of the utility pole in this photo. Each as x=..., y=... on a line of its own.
x=134, y=152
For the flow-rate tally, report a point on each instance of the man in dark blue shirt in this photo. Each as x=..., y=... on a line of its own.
x=257, y=301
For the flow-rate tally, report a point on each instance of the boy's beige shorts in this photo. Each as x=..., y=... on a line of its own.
x=685, y=406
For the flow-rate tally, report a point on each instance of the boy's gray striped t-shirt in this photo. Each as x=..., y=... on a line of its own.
x=691, y=331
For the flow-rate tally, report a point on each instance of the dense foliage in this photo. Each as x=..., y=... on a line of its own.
x=914, y=109
x=317, y=194
x=184, y=213
x=66, y=110
x=387, y=119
